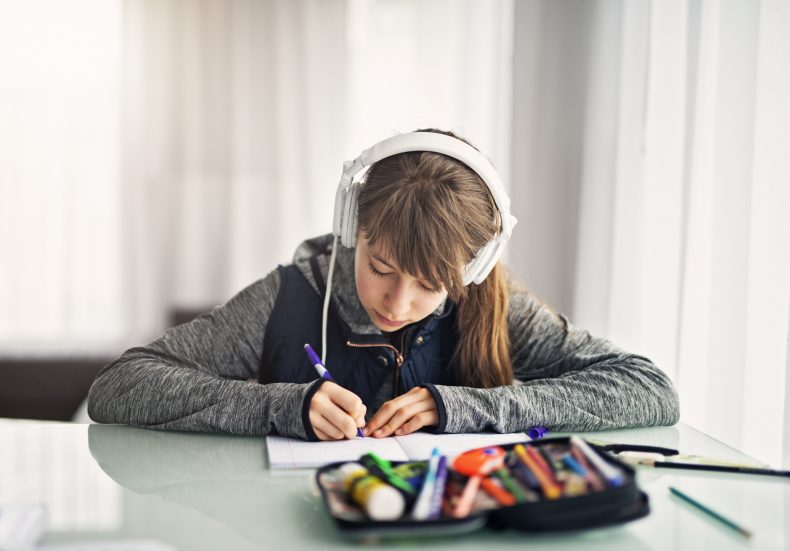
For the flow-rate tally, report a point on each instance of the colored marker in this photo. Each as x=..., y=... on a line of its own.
x=724, y=520
x=574, y=465
x=510, y=484
x=422, y=508
x=438, y=488
x=383, y=469
x=323, y=372
x=501, y=495
x=613, y=475
x=541, y=462
x=592, y=477
x=550, y=488
x=522, y=473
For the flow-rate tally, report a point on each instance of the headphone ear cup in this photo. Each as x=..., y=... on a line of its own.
x=482, y=264
x=348, y=237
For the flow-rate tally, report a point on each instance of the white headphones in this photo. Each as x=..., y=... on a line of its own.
x=345, y=221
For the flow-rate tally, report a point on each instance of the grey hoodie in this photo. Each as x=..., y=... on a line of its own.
x=202, y=376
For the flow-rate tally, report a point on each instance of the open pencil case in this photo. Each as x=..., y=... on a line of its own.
x=603, y=505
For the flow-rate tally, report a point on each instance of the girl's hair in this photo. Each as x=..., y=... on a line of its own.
x=432, y=214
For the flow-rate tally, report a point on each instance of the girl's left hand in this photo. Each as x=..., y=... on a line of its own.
x=403, y=415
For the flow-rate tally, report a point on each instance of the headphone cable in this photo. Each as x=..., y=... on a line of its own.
x=327, y=294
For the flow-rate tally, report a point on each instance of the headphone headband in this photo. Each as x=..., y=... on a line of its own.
x=345, y=220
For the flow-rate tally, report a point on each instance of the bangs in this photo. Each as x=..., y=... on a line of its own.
x=429, y=213
x=405, y=228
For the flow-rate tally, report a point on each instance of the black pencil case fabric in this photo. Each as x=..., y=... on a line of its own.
x=609, y=506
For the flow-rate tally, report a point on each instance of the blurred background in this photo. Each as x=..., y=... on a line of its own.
x=157, y=156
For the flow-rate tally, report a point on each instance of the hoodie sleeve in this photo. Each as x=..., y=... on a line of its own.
x=565, y=380
x=195, y=377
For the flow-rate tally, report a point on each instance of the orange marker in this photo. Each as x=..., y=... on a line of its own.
x=550, y=488
x=496, y=491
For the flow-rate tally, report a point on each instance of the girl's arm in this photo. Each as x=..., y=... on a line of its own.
x=194, y=378
x=566, y=380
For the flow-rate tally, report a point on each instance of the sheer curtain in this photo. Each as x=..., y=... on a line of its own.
x=162, y=153
x=683, y=235
x=60, y=253
x=238, y=116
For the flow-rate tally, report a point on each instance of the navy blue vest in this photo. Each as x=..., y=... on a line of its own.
x=296, y=319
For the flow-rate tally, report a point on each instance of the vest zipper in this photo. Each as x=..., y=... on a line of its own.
x=398, y=362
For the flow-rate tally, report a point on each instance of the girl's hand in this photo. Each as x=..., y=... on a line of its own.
x=336, y=413
x=403, y=415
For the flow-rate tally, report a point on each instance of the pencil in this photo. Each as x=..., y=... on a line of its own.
x=716, y=468
x=711, y=512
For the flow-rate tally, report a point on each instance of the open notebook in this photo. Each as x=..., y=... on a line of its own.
x=289, y=453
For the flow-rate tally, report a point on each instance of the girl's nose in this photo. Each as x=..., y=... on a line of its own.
x=398, y=301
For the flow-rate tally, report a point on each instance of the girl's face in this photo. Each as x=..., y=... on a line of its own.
x=392, y=298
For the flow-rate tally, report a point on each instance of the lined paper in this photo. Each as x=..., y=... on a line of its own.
x=290, y=453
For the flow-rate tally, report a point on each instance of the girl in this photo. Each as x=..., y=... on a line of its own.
x=423, y=329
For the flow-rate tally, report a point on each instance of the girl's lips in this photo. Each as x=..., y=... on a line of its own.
x=388, y=322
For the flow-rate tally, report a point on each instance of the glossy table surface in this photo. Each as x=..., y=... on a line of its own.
x=131, y=488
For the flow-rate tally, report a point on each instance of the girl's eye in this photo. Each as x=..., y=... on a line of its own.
x=379, y=273
x=430, y=289
x=374, y=271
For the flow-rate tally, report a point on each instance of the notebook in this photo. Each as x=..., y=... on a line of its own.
x=289, y=453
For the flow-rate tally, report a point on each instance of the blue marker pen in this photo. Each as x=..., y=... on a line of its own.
x=323, y=372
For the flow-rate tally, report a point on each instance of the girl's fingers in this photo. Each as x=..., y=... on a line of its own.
x=344, y=399
x=322, y=435
x=424, y=419
x=328, y=411
x=335, y=422
x=397, y=412
x=402, y=415
x=322, y=424
x=389, y=409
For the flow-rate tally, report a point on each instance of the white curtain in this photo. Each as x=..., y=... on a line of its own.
x=161, y=153
x=60, y=253
x=684, y=234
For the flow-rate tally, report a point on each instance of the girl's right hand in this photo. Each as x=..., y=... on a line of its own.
x=336, y=413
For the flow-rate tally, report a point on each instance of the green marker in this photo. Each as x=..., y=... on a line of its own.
x=383, y=469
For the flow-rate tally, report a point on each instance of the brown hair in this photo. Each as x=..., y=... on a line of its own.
x=432, y=214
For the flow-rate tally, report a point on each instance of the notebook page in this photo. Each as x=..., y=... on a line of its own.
x=290, y=453
x=419, y=445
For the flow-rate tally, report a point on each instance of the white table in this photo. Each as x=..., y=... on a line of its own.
x=215, y=492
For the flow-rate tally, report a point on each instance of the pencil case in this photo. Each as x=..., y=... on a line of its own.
x=609, y=504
